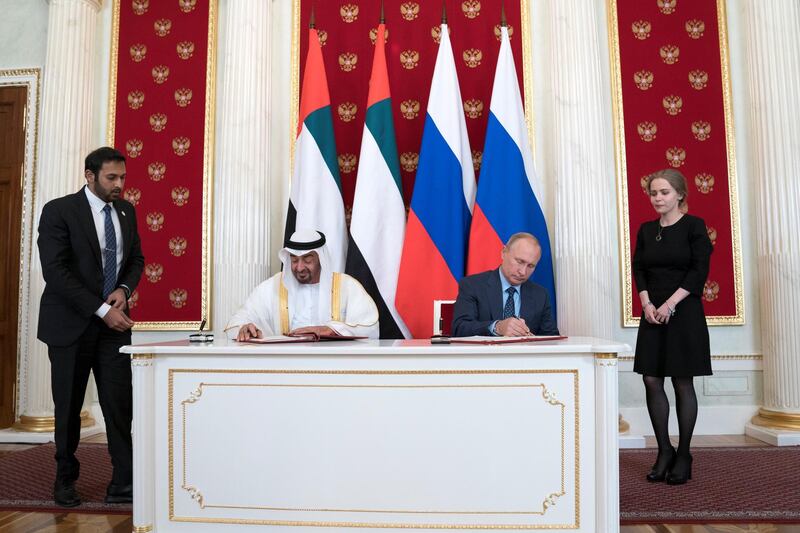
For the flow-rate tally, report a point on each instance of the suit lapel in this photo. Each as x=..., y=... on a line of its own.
x=525, y=304
x=84, y=212
x=125, y=230
x=495, y=295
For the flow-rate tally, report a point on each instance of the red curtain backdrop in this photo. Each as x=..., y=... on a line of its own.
x=159, y=121
x=675, y=109
x=347, y=32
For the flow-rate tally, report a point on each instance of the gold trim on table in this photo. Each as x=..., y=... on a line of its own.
x=548, y=397
x=744, y=357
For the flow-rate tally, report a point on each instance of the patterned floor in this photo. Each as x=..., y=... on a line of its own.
x=731, y=484
x=24, y=522
x=716, y=528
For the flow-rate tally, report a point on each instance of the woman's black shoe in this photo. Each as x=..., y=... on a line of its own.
x=681, y=470
x=662, y=466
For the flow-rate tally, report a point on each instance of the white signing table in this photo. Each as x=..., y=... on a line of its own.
x=376, y=435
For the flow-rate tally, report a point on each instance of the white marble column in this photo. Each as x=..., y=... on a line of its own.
x=772, y=34
x=582, y=163
x=144, y=441
x=65, y=139
x=606, y=444
x=242, y=187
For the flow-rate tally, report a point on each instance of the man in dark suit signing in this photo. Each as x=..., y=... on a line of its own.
x=504, y=301
x=91, y=261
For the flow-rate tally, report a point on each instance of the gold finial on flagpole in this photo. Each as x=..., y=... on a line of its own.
x=383, y=16
x=444, y=13
x=311, y=22
x=503, y=14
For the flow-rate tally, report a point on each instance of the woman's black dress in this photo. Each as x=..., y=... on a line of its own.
x=680, y=259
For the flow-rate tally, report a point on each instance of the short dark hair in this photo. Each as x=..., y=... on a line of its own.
x=94, y=161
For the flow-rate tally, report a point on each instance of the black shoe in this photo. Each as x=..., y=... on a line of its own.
x=663, y=464
x=681, y=470
x=65, y=495
x=119, y=493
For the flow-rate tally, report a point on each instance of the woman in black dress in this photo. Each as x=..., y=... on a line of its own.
x=670, y=267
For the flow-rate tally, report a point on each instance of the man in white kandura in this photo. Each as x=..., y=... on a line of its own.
x=307, y=297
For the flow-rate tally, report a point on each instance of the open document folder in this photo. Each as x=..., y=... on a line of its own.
x=301, y=337
x=481, y=339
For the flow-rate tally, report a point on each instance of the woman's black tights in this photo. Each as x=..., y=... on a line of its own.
x=658, y=407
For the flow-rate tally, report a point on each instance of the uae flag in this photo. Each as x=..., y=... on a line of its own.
x=378, y=222
x=315, y=200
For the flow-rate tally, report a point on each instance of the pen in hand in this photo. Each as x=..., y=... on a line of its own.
x=527, y=332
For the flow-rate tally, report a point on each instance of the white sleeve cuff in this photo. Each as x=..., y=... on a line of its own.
x=103, y=310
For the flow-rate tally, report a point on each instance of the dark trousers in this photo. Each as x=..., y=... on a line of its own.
x=96, y=350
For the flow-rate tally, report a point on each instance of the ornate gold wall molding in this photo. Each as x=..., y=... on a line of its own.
x=623, y=208
x=30, y=78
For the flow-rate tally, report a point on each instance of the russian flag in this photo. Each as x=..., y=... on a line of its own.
x=506, y=203
x=435, y=247
x=315, y=200
x=379, y=214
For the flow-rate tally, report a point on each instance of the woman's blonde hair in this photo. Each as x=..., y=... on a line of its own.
x=677, y=181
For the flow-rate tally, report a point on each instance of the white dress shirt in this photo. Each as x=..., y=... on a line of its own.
x=504, y=285
x=97, y=206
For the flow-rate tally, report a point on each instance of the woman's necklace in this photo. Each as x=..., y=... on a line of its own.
x=661, y=227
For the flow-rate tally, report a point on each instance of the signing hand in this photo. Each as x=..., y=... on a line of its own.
x=117, y=320
x=247, y=332
x=118, y=299
x=317, y=330
x=512, y=327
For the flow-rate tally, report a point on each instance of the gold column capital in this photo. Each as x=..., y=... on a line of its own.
x=605, y=355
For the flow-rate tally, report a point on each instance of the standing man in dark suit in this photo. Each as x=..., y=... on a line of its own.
x=91, y=261
x=505, y=302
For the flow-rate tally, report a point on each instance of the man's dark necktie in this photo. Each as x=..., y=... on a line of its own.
x=508, y=310
x=110, y=255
